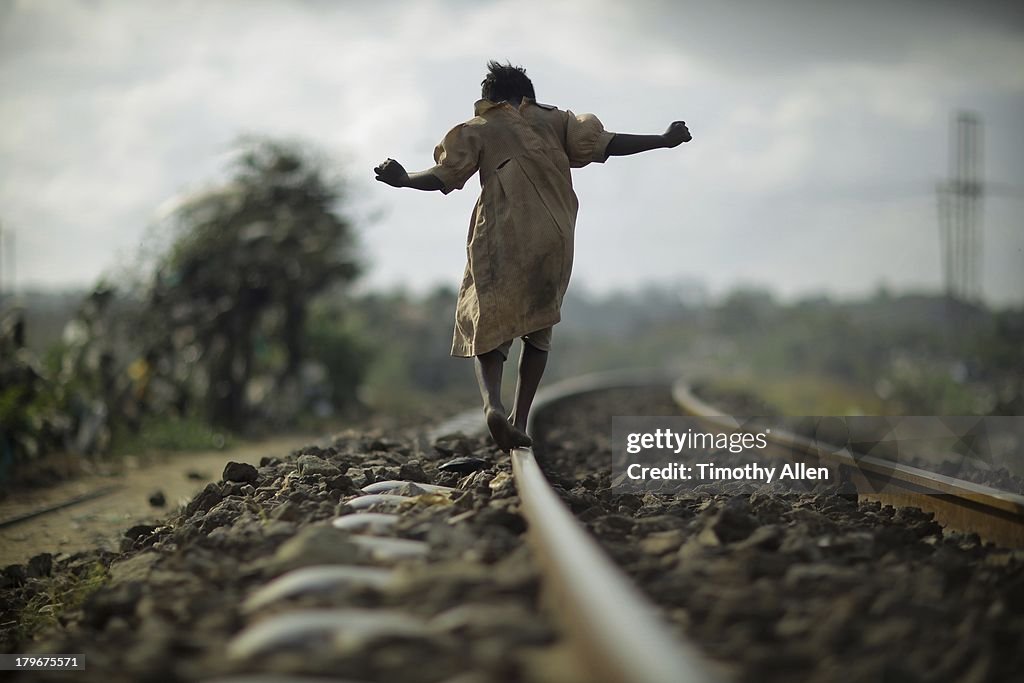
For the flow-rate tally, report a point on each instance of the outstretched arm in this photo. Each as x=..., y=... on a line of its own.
x=392, y=173
x=624, y=144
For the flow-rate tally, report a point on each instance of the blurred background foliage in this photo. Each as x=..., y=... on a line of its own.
x=215, y=336
x=226, y=313
x=245, y=319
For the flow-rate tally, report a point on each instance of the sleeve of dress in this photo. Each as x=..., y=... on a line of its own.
x=586, y=140
x=457, y=157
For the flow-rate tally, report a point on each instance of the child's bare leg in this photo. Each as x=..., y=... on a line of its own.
x=488, y=375
x=531, y=369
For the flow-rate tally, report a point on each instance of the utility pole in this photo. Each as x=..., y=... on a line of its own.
x=959, y=199
x=12, y=276
x=6, y=262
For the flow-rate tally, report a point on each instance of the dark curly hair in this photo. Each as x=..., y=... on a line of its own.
x=505, y=82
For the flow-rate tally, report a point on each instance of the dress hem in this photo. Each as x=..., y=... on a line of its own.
x=471, y=350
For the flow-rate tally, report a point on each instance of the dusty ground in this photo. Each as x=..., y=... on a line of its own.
x=99, y=522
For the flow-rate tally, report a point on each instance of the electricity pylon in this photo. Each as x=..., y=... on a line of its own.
x=960, y=210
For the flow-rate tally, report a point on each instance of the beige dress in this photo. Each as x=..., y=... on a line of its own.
x=520, y=243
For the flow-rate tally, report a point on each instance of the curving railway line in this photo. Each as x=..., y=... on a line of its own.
x=616, y=630
x=368, y=561
x=819, y=586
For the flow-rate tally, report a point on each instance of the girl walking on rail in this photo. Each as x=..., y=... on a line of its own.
x=520, y=245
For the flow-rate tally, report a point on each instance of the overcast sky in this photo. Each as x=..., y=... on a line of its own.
x=820, y=129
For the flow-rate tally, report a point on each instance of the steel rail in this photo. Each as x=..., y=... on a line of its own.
x=614, y=628
x=74, y=500
x=996, y=516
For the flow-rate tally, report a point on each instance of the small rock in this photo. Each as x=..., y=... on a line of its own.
x=767, y=537
x=13, y=575
x=240, y=472
x=340, y=482
x=193, y=475
x=222, y=514
x=157, y=499
x=40, y=565
x=357, y=477
x=661, y=542
x=409, y=490
x=233, y=488
x=315, y=545
x=204, y=500
x=502, y=485
x=497, y=516
x=135, y=569
x=412, y=471
x=453, y=444
x=310, y=465
x=733, y=522
x=140, y=536
x=286, y=511
x=117, y=600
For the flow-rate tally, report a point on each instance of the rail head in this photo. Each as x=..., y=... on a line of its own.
x=617, y=629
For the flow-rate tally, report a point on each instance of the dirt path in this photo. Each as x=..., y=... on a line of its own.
x=101, y=521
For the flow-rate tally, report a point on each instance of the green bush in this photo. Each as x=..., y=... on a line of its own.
x=344, y=353
x=169, y=433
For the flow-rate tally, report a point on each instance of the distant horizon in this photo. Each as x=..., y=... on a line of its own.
x=583, y=291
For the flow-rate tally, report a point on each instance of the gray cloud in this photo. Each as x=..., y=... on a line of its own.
x=819, y=132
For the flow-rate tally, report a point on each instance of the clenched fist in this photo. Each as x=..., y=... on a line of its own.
x=392, y=173
x=677, y=134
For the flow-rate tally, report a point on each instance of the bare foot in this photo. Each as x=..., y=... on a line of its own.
x=504, y=434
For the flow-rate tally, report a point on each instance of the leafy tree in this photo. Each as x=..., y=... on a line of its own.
x=236, y=283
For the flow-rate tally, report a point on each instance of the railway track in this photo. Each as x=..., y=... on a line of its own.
x=411, y=580
x=996, y=516
x=775, y=585
x=595, y=609
x=615, y=630
x=616, y=635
